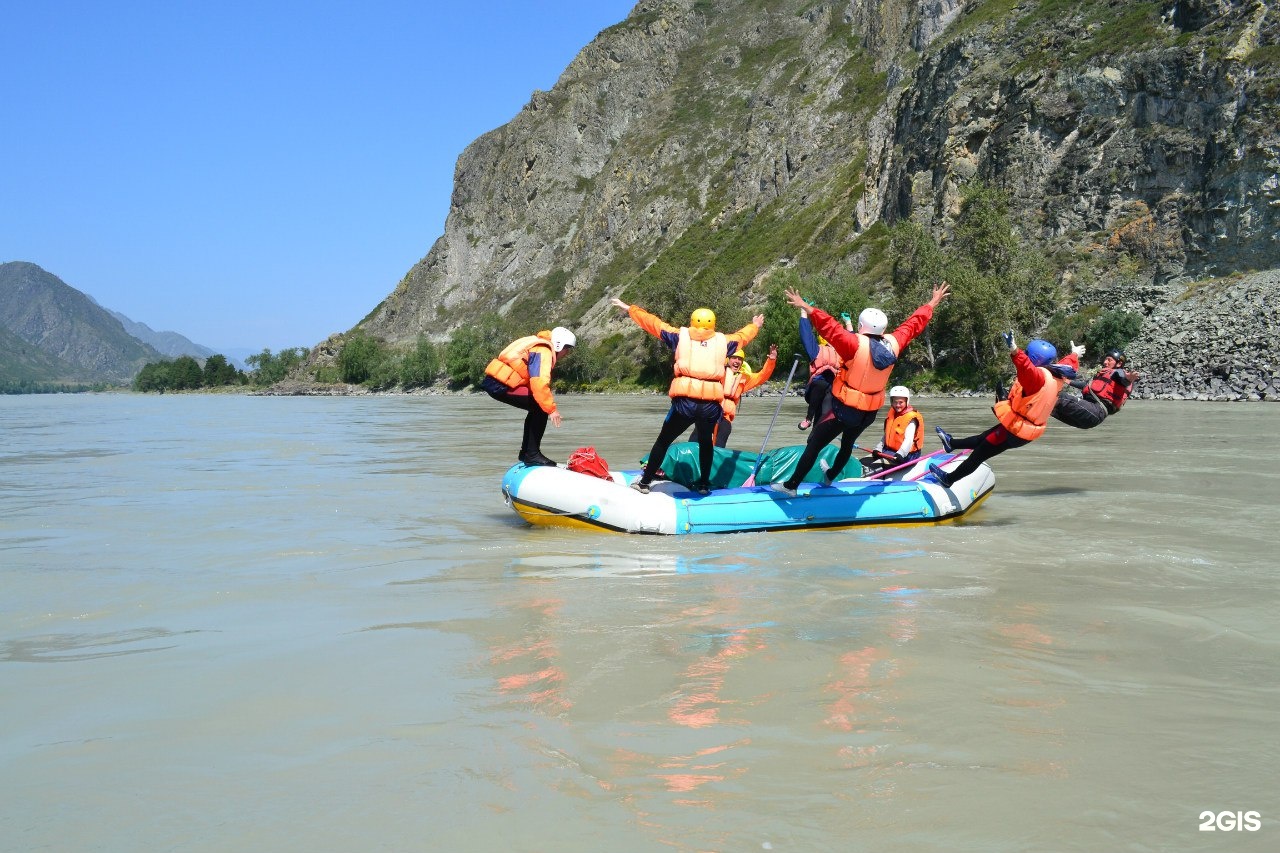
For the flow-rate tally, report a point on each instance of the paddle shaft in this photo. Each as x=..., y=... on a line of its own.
x=760, y=456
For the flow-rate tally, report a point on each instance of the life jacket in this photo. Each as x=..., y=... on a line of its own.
x=860, y=384
x=511, y=367
x=895, y=428
x=826, y=359
x=1025, y=416
x=699, y=367
x=734, y=385
x=1112, y=394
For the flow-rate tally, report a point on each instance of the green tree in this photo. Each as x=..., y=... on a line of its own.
x=360, y=358
x=218, y=372
x=185, y=374
x=421, y=365
x=1112, y=330
x=154, y=376
x=268, y=369
x=472, y=347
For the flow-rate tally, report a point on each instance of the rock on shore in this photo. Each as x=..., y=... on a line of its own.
x=1219, y=340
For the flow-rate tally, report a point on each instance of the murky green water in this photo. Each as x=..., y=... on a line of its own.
x=288, y=624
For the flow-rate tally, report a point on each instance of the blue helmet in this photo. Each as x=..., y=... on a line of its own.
x=1041, y=352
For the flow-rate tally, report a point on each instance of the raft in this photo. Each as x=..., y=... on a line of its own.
x=558, y=497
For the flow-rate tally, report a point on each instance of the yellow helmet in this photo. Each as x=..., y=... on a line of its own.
x=703, y=318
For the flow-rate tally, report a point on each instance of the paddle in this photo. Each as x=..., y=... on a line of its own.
x=880, y=474
x=751, y=481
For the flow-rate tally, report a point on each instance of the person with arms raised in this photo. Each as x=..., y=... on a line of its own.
x=697, y=389
x=1022, y=416
x=868, y=357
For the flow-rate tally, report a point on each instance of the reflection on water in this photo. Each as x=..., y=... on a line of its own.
x=351, y=643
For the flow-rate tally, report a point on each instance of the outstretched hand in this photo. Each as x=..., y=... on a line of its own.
x=618, y=303
x=794, y=297
x=939, y=293
x=1078, y=350
x=758, y=320
x=773, y=351
x=1009, y=340
x=556, y=420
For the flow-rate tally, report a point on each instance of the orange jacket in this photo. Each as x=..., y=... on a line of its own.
x=847, y=344
x=895, y=429
x=737, y=384
x=697, y=373
x=1026, y=412
x=826, y=359
x=527, y=362
x=860, y=384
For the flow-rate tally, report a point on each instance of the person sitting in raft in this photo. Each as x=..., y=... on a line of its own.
x=823, y=364
x=1102, y=395
x=903, y=432
x=857, y=393
x=520, y=376
x=738, y=380
x=697, y=391
x=1022, y=417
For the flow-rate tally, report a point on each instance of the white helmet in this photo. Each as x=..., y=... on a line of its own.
x=561, y=338
x=872, y=321
x=900, y=391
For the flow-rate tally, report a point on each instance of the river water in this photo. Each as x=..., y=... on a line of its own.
x=311, y=624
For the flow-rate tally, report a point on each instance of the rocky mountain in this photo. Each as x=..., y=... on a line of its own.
x=697, y=147
x=54, y=333
x=171, y=344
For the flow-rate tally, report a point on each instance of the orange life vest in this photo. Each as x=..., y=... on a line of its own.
x=895, y=428
x=859, y=384
x=1025, y=416
x=826, y=359
x=699, y=367
x=511, y=367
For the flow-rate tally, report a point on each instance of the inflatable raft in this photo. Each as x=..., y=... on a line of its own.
x=555, y=496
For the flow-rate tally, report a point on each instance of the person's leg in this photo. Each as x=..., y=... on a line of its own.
x=991, y=443
x=706, y=449
x=722, y=432
x=535, y=426
x=854, y=422
x=821, y=436
x=535, y=420
x=675, y=424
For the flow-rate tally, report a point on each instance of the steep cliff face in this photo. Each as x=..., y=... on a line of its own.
x=709, y=142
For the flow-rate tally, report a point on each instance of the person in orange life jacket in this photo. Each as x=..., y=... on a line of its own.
x=858, y=390
x=697, y=390
x=823, y=364
x=1021, y=418
x=1102, y=395
x=520, y=376
x=903, y=431
x=738, y=380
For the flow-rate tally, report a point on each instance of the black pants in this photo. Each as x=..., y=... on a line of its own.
x=816, y=393
x=535, y=421
x=984, y=445
x=703, y=416
x=844, y=422
x=1079, y=412
x=722, y=431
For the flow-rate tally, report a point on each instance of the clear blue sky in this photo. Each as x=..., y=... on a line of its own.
x=255, y=174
